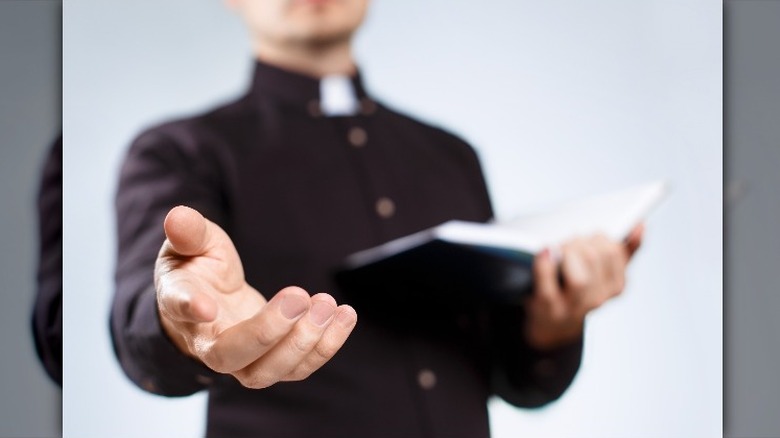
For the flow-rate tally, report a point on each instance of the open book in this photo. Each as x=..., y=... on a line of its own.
x=493, y=258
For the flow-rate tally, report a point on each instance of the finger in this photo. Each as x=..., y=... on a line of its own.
x=634, y=239
x=613, y=260
x=188, y=232
x=291, y=351
x=576, y=267
x=608, y=256
x=545, y=272
x=243, y=343
x=330, y=343
x=181, y=301
x=619, y=260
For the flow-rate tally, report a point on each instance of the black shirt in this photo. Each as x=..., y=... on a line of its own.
x=297, y=192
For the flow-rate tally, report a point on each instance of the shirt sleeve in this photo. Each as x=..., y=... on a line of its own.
x=160, y=171
x=522, y=375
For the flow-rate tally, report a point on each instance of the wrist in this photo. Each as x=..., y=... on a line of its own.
x=173, y=335
x=548, y=336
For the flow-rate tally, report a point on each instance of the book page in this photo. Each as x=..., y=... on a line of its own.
x=614, y=214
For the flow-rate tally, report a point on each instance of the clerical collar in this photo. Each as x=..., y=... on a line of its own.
x=330, y=96
x=337, y=96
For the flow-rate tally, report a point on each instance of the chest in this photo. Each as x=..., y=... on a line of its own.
x=318, y=190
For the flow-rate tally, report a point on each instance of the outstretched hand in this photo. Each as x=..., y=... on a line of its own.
x=212, y=314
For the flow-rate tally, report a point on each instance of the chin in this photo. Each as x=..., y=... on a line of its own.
x=316, y=5
x=324, y=19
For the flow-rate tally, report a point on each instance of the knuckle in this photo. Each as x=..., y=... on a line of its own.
x=577, y=284
x=325, y=350
x=301, y=342
x=264, y=337
x=589, y=255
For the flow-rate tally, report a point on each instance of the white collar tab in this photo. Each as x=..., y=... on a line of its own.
x=338, y=96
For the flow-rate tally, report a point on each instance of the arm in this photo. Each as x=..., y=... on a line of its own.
x=183, y=311
x=551, y=322
x=523, y=375
x=536, y=348
x=157, y=174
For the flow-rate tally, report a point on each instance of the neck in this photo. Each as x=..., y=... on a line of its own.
x=311, y=60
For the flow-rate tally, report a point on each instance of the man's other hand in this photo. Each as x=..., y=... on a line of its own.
x=591, y=271
x=212, y=314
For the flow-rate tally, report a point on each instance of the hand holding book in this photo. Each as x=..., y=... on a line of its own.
x=495, y=261
x=590, y=272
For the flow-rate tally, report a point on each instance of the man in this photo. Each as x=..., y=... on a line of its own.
x=291, y=178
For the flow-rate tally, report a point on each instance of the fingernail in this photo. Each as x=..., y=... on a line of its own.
x=293, y=306
x=347, y=317
x=545, y=254
x=321, y=312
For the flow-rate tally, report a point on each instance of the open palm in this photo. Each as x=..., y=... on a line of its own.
x=212, y=314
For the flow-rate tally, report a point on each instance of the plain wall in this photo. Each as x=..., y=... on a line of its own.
x=30, y=113
x=560, y=98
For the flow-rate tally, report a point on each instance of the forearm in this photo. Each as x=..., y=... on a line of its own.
x=526, y=376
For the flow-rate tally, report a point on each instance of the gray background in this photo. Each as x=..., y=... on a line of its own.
x=752, y=247
x=561, y=98
x=29, y=121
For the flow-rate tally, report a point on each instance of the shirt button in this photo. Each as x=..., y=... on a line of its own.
x=385, y=208
x=426, y=379
x=357, y=137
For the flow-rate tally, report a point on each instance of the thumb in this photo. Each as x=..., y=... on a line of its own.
x=187, y=231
